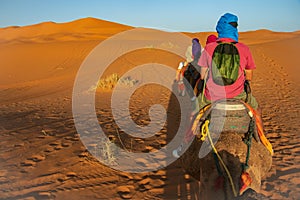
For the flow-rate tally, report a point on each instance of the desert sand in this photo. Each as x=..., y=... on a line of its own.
x=42, y=156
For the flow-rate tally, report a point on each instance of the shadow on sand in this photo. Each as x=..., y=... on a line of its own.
x=179, y=184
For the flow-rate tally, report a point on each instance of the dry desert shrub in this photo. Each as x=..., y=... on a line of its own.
x=110, y=82
x=108, y=152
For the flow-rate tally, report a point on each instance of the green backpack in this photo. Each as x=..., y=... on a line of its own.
x=225, y=64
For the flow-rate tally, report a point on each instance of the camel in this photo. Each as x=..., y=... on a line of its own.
x=215, y=182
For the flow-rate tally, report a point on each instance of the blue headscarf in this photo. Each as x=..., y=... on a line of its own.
x=226, y=30
x=196, y=48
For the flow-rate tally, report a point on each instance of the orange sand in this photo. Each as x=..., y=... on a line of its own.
x=41, y=153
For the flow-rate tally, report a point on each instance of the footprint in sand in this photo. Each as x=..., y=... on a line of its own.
x=31, y=162
x=66, y=144
x=3, y=176
x=45, y=195
x=125, y=191
x=145, y=184
x=28, y=163
x=71, y=174
x=37, y=158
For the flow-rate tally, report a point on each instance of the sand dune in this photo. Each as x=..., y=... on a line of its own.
x=82, y=29
x=42, y=156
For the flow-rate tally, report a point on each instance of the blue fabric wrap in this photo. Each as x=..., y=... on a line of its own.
x=226, y=30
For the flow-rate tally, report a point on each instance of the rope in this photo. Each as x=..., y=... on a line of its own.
x=245, y=176
x=260, y=130
x=219, y=157
x=217, y=164
x=196, y=120
x=204, y=85
x=248, y=142
x=204, y=130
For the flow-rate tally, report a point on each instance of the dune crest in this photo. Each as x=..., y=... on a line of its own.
x=81, y=29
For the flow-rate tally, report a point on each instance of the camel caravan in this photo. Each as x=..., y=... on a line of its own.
x=225, y=147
